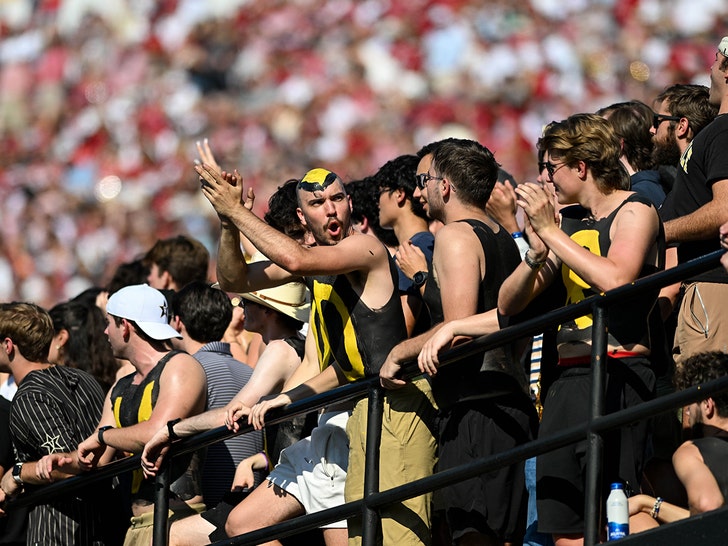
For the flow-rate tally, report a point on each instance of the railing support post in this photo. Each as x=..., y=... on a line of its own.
x=370, y=516
x=161, y=505
x=595, y=441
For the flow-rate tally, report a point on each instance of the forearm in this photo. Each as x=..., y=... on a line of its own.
x=599, y=272
x=330, y=378
x=231, y=266
x=200, y=423
x=131, y=439
x=476, y=325
x=276, y=246
x=704, y=223
x=662, y=511
x=517, y=290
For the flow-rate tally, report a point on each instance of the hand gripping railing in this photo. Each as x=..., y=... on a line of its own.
x=598, y=423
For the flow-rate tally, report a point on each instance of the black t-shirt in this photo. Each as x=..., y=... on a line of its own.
x=703, y=163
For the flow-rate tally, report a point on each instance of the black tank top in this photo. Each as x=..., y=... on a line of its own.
x=134, y=404
x=714, y=450
x=492, y=373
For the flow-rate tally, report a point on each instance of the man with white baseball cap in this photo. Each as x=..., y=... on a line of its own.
x=166, y=386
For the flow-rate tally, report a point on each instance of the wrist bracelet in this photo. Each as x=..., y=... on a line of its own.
x=170, y=429
x=533, y=264
x=656, y=508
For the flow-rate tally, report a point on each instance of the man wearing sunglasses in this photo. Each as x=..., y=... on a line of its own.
x=693, y=212
x=483, y=396
x=356, y=319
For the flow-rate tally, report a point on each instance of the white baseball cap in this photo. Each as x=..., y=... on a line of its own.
x=723, y=46
x=146, y=306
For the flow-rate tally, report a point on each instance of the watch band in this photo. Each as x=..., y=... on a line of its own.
x=533, y=264
x=17, y=468
x=100, y=434
x=170, y=429
x=420, y=278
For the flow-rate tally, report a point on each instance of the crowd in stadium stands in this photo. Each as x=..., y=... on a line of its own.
x=101, y=102
x=485, y=162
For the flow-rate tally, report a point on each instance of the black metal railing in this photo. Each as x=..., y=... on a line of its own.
x=597, y=306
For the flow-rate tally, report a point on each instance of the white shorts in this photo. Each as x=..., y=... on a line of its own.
x=314, y=469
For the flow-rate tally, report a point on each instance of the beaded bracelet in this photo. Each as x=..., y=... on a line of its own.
x=656, y=508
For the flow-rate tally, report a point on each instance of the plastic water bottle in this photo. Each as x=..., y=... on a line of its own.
x=617, y=513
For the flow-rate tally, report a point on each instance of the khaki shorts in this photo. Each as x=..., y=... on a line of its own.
x=141, y=531
x=702, y=322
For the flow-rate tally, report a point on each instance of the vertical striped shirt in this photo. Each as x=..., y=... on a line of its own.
x=53, y=411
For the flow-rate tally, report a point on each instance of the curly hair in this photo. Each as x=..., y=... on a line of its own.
x=365, y=204
x=702, y=368
x=282, y=213
x=591, y=139
x=631, y=122
x=87, y=347
x=399, y=173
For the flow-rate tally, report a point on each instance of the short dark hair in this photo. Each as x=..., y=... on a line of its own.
x=365, y=204
x=186, y=259
x=689, y=101
x=702, y=368
x=399, y=173
x=128, y=274
x=205, y=311
x=631, y=122
x=470, y=166
x=282, y=213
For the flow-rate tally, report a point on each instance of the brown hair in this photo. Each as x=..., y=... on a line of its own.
x=30, y=328
x=591, y=139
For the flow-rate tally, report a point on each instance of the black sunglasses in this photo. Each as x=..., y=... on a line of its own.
x=421, y=179
x=550, y=168
x=659, y=118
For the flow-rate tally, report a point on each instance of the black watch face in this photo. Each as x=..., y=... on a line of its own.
x=420, y=278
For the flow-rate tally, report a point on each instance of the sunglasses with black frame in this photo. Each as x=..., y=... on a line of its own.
x=657, y=119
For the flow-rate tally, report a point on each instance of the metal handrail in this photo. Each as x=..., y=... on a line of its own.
x=598, y=424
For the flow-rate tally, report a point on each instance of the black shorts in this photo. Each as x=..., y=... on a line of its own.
x=560, y=474
x=219, y=514
x=493, y=504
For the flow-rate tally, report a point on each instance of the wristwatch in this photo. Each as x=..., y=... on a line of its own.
x=101, y=434
x=420, y=278
x=170, y=429
x=17, y=467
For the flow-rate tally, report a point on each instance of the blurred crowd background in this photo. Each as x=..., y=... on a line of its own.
x=102, y=101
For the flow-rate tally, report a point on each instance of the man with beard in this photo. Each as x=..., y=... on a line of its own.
x=693, y=212
x=681, y=112
x=356, y=318
x=699, y=462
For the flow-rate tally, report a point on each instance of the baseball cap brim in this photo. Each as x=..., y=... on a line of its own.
x=158, y=331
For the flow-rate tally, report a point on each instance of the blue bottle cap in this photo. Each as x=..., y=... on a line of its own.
x=617, y=485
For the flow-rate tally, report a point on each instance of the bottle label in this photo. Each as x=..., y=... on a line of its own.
x=617, y=530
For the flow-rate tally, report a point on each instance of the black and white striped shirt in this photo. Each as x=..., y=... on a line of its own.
x=53, y=411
